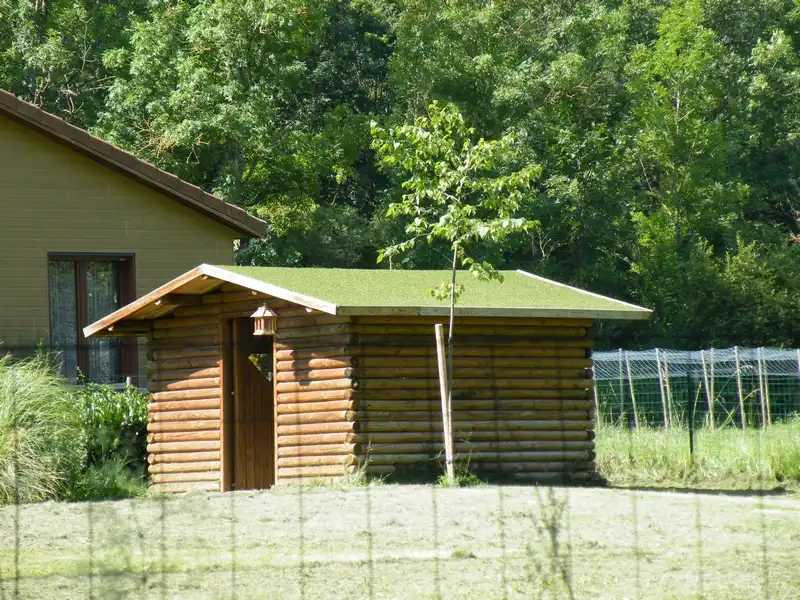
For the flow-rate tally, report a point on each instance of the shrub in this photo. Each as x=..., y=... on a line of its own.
x=41, y=442
x=115, y=424
x=111, y=479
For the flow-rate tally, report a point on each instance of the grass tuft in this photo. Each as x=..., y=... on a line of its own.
x=41, y=441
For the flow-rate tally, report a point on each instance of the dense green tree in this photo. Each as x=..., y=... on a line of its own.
x=667, y=131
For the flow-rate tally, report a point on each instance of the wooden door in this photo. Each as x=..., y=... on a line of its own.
x=252, y=445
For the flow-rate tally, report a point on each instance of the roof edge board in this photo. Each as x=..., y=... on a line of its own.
x=473, y=311
x=121, y=313
x=635, y=307
x=270, y=289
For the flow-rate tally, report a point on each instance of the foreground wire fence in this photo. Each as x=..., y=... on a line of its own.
x=743, y=387
x=367, y=538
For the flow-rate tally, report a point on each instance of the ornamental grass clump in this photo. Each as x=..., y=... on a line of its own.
x=41, y=439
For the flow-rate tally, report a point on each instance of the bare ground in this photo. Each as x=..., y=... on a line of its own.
x=390, y=541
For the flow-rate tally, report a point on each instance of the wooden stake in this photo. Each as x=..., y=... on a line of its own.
x=597, y=418
x=709, y=397
x=443, y=385
x=669, y=391
x=621, y=388
x=739, y=385
x=762, y=389
x=661, y=389
x=633, y=394
x=713, y=381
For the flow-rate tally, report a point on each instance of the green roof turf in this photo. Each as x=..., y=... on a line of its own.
x=406, y=288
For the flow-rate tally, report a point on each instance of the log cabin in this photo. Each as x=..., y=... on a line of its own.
x=260, y=376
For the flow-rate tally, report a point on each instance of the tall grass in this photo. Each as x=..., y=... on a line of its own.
x=41, y=441
x=727, y=457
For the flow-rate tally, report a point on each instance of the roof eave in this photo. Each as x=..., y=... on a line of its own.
x=641, y=314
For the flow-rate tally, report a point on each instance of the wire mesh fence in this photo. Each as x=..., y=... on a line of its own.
x=365, y=537
x=712, y=388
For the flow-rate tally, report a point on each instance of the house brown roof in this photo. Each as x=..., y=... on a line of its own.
x=126, y=163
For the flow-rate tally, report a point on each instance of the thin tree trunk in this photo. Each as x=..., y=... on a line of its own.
x=450, y=343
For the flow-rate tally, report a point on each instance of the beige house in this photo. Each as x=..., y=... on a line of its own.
x=86, y=228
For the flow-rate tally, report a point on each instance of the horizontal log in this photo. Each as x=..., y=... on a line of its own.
x=489, y=373
x=316, y=386
x=177, y=354
x=185, y=467
x=495, y=341
x=298, y=354
x=204, y=341
x=182, y=436
x=184, y=332
x=532, y=350
x=490, y=362
x=472, y=321
x=317, y=450
x=161, y=373
x=184, y=477
x=316, y=417
x=179, y=488
x=433, y=394
x=316, y=460
x=560, y=466
x=175, y=457
x=378, y=458
x=184, y=415
x=388, y=437
x=462, y=427
x=312, y=407
x=197, y=404
x=180, y=323
x=367, y=384
x=319, y=471
x=528, y=456
x=206, y=383
x=315, y=342
x=307, y=440
x=458, y=405
x=297, y=397
x=205, y=394
x=400, y=459
x=204, y=446
x=315, y=332
x=470, y=330
x=468, y=447
x=307, y=320
x=314, y=375
x=470, y=415
x=183, y=426
x=307, y=428
x=315, y=363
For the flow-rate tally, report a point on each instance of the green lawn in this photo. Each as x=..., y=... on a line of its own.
x=389, y=541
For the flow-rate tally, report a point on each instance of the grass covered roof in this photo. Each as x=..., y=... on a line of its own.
x=354, y=291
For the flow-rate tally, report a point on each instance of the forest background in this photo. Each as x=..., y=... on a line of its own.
x=665, y=135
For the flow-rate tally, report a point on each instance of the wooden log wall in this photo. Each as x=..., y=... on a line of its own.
x=315, y=381
x=521, y=395
x=184, y=371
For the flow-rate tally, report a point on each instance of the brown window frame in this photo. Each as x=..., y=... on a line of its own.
x=127, y=294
